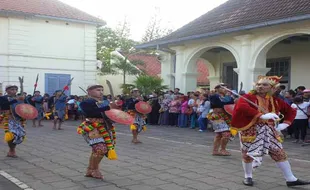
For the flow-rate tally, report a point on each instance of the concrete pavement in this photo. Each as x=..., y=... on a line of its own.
x=169, y=158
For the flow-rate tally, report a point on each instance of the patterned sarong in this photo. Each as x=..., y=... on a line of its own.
x=266, y=142
x=18, y=130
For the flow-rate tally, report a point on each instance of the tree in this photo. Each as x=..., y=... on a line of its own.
x=154, y=28
x=107, y=41
x=148, y=84
x=126, y=67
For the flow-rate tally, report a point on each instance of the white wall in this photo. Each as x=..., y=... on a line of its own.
x=32, y=46
x=300, y=61
x=116, y=82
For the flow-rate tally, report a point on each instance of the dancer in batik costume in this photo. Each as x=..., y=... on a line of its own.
x=139, y=123
x=259, y=128
x=37, y=99
x=12, y=123
x=97, y=130
x=220, y=120
x=58, y=104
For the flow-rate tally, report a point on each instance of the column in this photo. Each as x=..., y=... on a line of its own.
x=167, y=61
x=244, y=74
x=190, y=81
x=214, y=80
x=179, y=69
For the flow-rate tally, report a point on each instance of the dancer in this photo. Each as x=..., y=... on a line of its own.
x=37, y=99
x=259, y=130
x=13, y=124
x=58, y=104
x=220, y=120
x=97, y=130
x=139, y=123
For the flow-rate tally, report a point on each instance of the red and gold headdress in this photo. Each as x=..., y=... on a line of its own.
x=272, y=80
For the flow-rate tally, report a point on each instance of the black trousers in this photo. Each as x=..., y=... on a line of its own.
x=173, y=119
x=300, y=128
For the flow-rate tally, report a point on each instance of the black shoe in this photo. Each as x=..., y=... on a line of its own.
x=297, y=182
x=248, y=181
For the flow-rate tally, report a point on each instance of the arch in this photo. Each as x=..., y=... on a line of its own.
x=272, y=40
x=210, y=66
x=197, y=52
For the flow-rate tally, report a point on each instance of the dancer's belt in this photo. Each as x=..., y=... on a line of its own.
x=94, y=120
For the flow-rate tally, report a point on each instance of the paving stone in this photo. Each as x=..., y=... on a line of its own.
x=171, y=186
x=124, y=182
x=181, y=181
x=61, y=159
x=94, y=183
x=154, y=182
x=62, y=184
x=165, y=176
x=138, y=177
x=200, y=186
x=141, y=187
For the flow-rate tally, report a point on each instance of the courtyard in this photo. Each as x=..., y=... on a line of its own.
x=168, y=159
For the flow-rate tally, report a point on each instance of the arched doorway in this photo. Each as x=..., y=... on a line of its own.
x=220, y=63
x=287, y=56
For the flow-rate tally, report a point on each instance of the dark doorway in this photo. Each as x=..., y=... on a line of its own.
x=230, y=77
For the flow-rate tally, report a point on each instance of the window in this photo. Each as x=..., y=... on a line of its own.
x=55, y=82
x=280, y=67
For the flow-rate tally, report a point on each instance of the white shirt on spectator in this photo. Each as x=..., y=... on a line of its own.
x=300, y=114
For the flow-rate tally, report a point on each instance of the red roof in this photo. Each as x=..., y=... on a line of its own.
x=153, y=67
x=52, y=8
x=151, y=64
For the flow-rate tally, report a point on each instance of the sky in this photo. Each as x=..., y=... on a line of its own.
x=174, y=14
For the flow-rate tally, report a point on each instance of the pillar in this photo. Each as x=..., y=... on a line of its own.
x=190, y=81
x=167, y=61
x=214, y=80
x=244, y=74
x=180, y=69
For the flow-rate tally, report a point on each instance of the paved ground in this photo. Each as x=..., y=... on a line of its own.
x=169, y=159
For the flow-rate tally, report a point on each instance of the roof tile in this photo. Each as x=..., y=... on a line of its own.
x=238, y=13
x=53, y=8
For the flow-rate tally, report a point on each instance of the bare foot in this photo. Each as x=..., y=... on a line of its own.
x=225, y=153
x=96, y=174
x=11, y=155
x=216, y=153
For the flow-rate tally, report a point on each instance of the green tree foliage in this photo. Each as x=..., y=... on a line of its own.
x=148, y=84
x=121, y=65
x=107, y=41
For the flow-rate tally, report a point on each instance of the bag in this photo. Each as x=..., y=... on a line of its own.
x=303, y=111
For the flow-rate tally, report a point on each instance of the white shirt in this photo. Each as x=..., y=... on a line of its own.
x=300, y=114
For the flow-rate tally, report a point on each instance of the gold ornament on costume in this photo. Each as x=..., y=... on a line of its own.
x=272, y=80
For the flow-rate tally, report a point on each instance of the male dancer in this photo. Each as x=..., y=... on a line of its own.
x=97, y=130
x=13, y=124
x=58, y=102
x=139, y=123
x=38, y=104
x=220, y=120
x=259, y=129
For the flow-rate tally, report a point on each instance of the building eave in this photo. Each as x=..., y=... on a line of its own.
x=222, y=32
x=7, y=13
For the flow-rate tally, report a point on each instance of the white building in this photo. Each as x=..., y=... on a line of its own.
x=238, y=41
x=50, y=38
